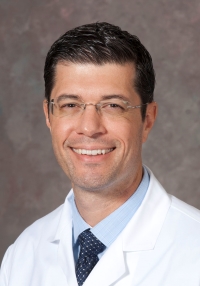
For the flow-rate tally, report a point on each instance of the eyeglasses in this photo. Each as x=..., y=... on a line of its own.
x=72, y=107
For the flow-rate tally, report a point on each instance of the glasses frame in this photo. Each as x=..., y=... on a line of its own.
x=98, y=106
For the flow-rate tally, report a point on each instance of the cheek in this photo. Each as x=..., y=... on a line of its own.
x=129, y=133
x=59, y=132
x=133, y=139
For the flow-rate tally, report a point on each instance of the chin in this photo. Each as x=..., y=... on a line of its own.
x=91, y=182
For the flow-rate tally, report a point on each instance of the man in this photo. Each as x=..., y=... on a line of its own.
x=117, y=226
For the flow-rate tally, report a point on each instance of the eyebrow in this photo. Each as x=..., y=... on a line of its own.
x=64, y=96
x=104, y=97
x=114, y=96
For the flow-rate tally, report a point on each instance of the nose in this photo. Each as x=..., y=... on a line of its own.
x=90, y=122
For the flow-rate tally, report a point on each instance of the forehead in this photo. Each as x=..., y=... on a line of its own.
x=91, y=81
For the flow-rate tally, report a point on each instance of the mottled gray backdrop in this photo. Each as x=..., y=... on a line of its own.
x=31, y=182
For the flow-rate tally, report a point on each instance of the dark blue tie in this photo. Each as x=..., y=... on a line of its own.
x=90, y=247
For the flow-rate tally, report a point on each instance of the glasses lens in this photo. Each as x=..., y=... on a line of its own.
x=66, y=107
x=114, y=107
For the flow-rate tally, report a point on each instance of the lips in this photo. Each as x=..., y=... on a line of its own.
x=94, y=152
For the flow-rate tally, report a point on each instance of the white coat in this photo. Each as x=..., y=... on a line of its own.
x=160, y=246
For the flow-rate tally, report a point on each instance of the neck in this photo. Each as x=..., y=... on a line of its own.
x=94, y=206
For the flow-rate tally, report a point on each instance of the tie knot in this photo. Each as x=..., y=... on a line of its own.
x=90, y=244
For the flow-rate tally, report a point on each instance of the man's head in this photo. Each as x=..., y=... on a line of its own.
x=98, y=44
x=97, y=79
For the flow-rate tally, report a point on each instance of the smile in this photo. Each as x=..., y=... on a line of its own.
x=92, y=152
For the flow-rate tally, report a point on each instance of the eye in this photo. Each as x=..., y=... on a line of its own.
x=113, y=106
x=69, y=105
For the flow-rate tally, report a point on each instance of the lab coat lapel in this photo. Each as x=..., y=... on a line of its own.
x=143, y=230
x=65, y=256
x=55, y=276
x=55, y=267
x=63, y=238
x=110, y=267
x=47, y=272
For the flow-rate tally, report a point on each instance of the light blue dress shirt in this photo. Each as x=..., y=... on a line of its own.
x=109, y=228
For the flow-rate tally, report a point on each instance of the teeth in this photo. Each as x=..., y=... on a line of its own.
x=92, y=152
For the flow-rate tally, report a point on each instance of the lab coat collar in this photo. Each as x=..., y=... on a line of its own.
x=62, y=239
x=65, y=220
x=143, y=229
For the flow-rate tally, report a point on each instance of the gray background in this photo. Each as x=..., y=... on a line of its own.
x=31, y=182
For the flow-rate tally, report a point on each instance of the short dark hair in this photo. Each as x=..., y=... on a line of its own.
x=101, y=43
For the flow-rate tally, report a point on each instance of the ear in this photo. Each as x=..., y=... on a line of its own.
x=150, y=117
x=46, y=113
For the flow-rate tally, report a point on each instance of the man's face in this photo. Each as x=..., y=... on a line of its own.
x=119, y=137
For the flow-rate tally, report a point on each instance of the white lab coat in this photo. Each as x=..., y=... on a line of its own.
x=160, y=246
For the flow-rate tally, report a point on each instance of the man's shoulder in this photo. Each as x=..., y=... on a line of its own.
x=182, y=225
x=185, y=210
x=177, y=206
x=42, y=230
x=43, y=227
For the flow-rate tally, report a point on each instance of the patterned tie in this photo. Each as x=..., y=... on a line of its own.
x=90, y=247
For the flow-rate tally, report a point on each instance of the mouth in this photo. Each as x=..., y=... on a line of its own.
x=94, y=152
